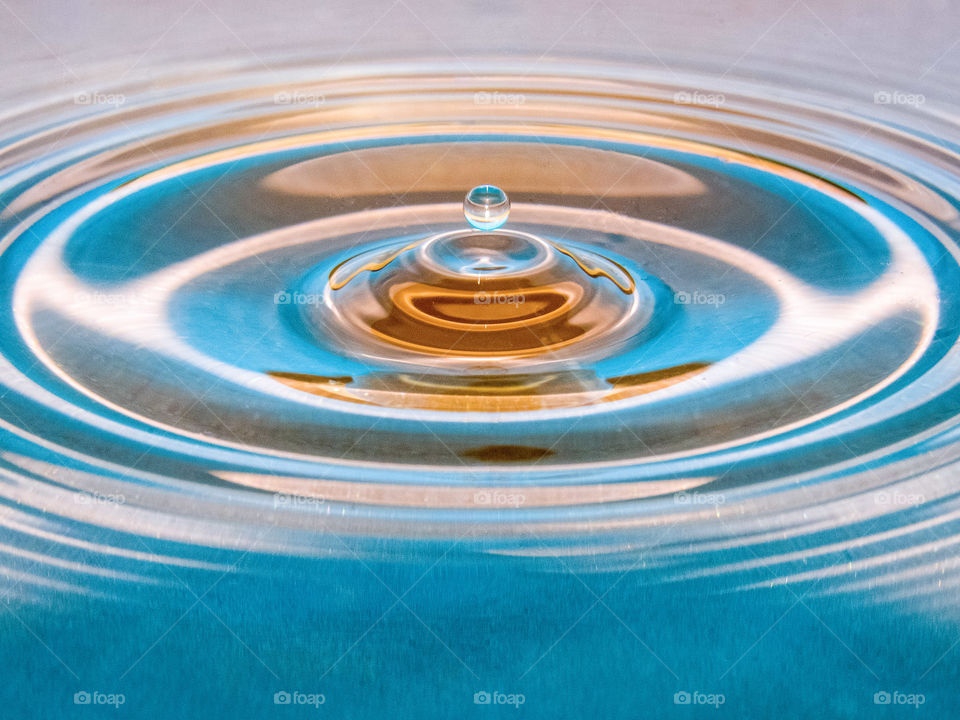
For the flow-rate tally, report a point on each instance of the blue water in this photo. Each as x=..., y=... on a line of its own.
x=227, y=491
x=418, y=639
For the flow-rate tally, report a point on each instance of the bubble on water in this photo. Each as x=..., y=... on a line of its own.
x=486, y=207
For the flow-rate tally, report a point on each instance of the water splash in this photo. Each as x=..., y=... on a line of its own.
x=744, y=346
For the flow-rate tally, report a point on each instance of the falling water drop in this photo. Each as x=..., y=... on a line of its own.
x=486, y=207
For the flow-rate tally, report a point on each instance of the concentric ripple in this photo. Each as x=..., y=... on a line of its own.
x=272, y=321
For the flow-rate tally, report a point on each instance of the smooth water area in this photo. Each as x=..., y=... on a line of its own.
x=603, y=402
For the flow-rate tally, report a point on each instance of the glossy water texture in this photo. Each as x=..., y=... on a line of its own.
x=707, y=368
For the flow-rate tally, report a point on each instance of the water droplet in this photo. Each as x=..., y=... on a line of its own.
x=486, y=207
